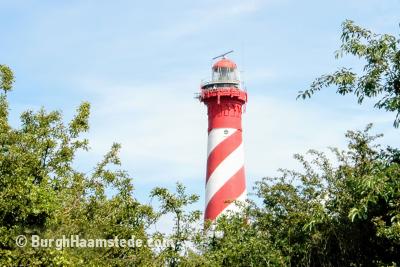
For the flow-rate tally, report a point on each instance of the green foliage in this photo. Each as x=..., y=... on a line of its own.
x=381, y=72
x=42, y=193
x=336, y=216
x=185, y=223
x=6, y=78
x=238, y=240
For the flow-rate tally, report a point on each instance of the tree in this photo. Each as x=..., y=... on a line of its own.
x=381, y=73
x=42, y=193
x=238, y=240
x=185, y=223
x=343, y=215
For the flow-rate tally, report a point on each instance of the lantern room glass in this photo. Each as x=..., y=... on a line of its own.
x=223, y=74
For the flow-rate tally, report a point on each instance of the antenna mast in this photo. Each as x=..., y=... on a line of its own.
x=223, y=55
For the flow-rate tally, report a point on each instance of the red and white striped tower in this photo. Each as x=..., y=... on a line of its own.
x=225, y=179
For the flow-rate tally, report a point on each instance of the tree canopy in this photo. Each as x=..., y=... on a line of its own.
x=381, y=73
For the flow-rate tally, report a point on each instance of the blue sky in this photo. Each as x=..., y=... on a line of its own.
x=139, y=64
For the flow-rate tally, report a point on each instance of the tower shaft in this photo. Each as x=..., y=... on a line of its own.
x=225, y=178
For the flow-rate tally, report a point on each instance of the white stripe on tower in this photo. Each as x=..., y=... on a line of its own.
x=216, y=136
x=225, y=181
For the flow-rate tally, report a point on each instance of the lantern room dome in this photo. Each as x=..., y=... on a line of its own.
x=224, y=63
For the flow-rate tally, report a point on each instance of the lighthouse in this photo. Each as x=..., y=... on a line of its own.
x=225, y=176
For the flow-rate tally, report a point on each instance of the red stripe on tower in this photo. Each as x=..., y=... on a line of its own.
x=222, y=150
x=232, y=190
x=225, y=178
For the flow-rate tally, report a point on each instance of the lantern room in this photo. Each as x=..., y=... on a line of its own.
x=225, y=85
x=225, y=71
